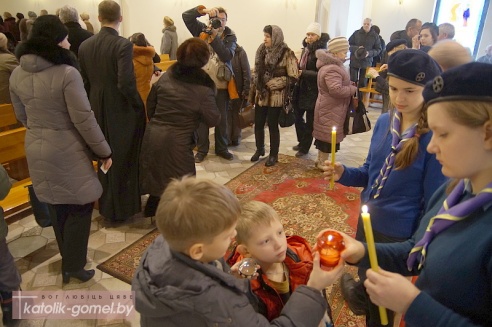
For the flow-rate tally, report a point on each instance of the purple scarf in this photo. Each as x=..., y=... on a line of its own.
x=396, y=145
x=451, y=212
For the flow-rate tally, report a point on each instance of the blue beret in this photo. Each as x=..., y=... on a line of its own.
x=472, y=81
x=393, y=44
x=413, y=66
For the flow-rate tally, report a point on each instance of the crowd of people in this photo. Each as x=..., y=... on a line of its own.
x=86, y=94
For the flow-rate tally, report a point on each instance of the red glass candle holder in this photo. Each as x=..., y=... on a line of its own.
x=329, y=246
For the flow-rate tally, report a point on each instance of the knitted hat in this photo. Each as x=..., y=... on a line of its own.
x=168, y=21
x=49, y=27
x=338, y=44
x=472, y=81
x=393, y=44
x=413, y=66
x=31, y=14
x=314, y=28
x=3, y=42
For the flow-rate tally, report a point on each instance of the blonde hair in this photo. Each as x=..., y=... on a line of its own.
x=468, y=113
x=195, y=211
x=449, y=54
x=253, y=214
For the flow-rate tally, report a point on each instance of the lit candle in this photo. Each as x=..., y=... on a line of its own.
x=371, y=248
x=333, y=150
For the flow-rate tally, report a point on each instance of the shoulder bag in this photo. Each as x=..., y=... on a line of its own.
x=356, y=120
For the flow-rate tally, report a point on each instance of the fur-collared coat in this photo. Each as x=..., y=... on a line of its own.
x=178, y=102
x=144, y=69
x=334, y=94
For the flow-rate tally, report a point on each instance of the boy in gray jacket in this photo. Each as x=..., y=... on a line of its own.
x=182, y=279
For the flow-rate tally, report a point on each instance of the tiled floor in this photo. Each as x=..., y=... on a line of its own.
x=36, y=251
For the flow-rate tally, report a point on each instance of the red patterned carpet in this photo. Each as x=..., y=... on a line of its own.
x=302, y=199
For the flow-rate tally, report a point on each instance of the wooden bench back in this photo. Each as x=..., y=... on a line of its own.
x=7, y=116
x=12, y=144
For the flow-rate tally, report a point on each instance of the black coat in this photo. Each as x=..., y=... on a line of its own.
x=370, y=41
x=242, y=72
x=177, y=103
x=76, y=35
x=107, y=69
x=308, y=81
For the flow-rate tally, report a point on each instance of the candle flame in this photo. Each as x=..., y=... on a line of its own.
x=365, y=209
x=334, y=129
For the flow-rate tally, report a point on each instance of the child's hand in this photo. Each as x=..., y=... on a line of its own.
x=329, y=170
x=320, y=278
x=354, y=250
x=235, y=272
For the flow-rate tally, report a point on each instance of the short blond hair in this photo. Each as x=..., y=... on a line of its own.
x=195, y=211
x=254, y=214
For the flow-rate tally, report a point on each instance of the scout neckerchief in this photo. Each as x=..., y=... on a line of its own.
x=451, y=212
x=396, y=145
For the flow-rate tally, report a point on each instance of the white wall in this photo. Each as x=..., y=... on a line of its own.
x=390, y=16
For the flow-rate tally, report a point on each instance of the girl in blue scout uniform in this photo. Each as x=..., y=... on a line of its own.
x=452, y=247
x=398, y=176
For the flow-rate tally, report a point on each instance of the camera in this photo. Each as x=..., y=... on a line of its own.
x=215, y=23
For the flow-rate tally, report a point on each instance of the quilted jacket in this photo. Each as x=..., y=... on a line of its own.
x=334, y=94
x=62, y=134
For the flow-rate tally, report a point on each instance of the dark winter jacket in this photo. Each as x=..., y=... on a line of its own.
x=308, y=81
x=76, y=35
x=242, y=72
x=62, y=135
x=177, y=103
x=334, y=94
x=370, y=41
x=173, y=290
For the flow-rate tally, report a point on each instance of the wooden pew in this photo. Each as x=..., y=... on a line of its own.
x=368, y=93
x=164, y=65
x=13, y=157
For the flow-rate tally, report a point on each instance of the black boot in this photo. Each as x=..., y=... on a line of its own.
x=82, y=275
x=272, y=160
x=258, y=153
x=6, y=305
x=354, y=294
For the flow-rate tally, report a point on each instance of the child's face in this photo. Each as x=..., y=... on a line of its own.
x=268, y=244
x=460, y=149
x=406, y=97
x=218, y=247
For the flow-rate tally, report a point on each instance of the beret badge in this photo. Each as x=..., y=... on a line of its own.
x=420, y=77
x=438, y=84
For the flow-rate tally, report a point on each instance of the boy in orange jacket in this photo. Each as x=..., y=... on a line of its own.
x=285, y=261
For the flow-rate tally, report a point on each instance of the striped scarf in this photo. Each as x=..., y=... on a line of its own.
x=396, y=144
x=451, y=212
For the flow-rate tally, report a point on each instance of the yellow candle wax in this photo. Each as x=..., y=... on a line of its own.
x=333, y=150
x=371, y=249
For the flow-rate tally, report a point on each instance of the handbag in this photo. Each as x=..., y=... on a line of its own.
x=356, y=120
x=232, y=89
x=42, y=211
x=246, y=115
x=287, y=116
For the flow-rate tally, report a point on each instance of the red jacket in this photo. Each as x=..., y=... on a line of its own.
x=299, y=261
